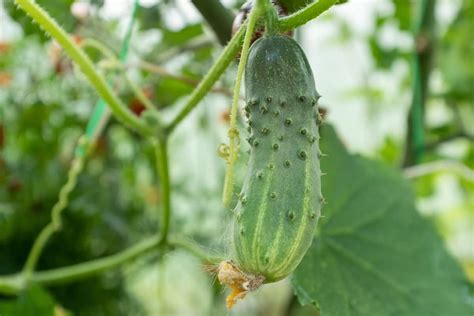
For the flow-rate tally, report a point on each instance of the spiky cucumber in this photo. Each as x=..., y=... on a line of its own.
x=280, y=202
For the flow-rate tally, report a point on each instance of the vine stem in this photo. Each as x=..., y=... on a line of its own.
x=13, y=284
x=421, y=65
x=233, y=133
x=305, y=15
x=221, y=64
x=55, y=224
x=94, y=127
x=162, y=165
x=118, y=108
x=86, y=269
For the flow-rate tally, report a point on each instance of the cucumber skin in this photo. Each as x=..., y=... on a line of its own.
x=280, y=202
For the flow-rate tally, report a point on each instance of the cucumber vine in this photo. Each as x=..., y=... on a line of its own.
x=13, y=284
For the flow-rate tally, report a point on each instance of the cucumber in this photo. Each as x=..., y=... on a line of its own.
x=279, y=205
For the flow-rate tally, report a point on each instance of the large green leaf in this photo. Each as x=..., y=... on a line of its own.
x=374, y=254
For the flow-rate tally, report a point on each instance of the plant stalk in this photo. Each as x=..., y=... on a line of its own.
x=421, y=68
x=14, y=283
x=257, y=10
x=162, y=165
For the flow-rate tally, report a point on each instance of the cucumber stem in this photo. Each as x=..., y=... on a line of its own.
x=271, y=19
x=233, y=132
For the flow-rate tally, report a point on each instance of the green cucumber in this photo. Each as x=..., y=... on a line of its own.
x=280, y=202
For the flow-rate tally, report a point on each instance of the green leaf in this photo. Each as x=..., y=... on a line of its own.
x=32, y=302
x=374, y=254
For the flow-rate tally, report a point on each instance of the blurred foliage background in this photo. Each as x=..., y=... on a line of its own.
x=45, y=104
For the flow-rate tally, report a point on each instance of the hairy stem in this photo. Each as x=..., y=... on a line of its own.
x=119, y=109
x=221, y=64
x=306, y=14
x=233, y=132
